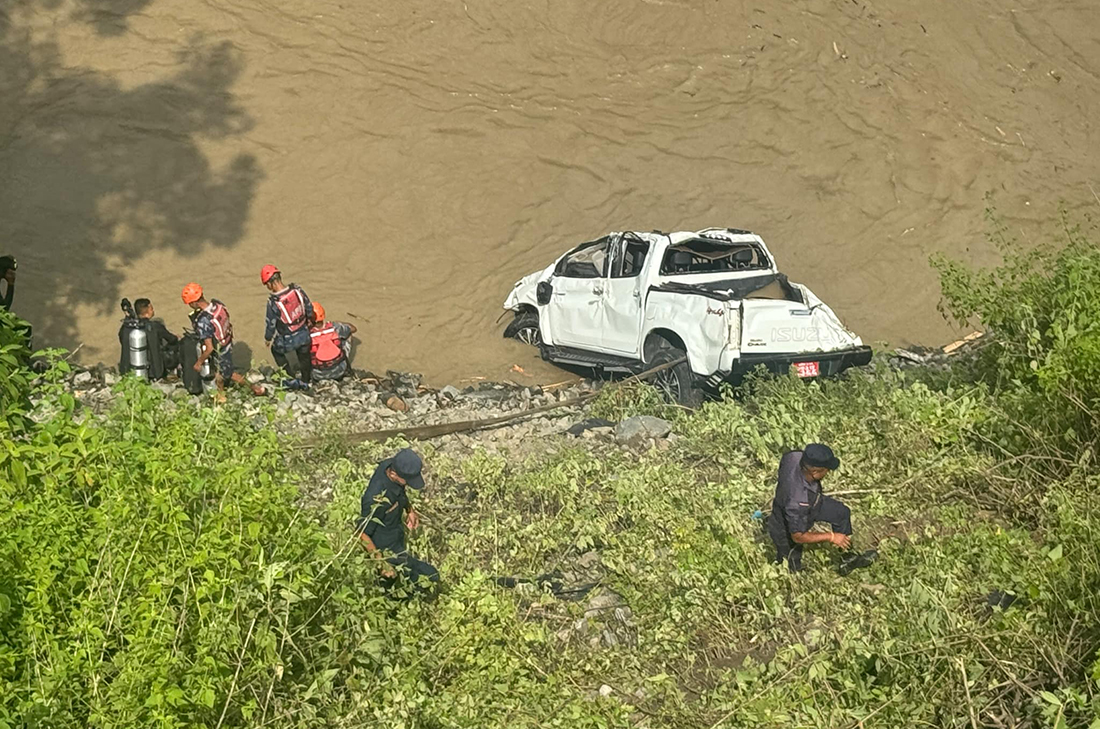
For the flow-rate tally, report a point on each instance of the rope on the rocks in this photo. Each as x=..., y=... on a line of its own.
x=426, y=432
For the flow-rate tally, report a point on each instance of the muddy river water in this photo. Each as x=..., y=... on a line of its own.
x=407, y=161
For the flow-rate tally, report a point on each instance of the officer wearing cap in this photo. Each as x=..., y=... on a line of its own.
x=385, y=513
x=800, y=501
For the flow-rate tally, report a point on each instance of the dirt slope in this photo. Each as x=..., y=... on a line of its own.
x=408, y=161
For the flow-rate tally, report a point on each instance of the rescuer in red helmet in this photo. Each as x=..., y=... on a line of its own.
x=211, y=321
x=289, y=315
x=330, y=348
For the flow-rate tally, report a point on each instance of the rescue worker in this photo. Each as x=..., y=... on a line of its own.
x=330, y=346
x=289, y=314
x=165, y=341
x=800, y=501
x=385, y=513
x=212, y=325
x=7, y=278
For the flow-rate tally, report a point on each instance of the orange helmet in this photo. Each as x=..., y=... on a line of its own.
x=318, y=312
x=267, y=272
x=192, y=292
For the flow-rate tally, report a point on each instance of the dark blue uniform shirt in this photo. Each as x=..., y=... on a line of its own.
x=382, y=511
x=797, y=498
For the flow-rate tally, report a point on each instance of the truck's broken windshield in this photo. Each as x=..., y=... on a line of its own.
x=707, y=256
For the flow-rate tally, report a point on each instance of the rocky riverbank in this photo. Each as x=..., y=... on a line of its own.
x=366, y=403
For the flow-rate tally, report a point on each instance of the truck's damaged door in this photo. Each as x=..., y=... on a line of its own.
x=623, y=297
x=577, y=295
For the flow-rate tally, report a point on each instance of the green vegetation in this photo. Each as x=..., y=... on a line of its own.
x=159, y=567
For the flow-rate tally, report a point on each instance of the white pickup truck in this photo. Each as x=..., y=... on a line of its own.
x=629, y=301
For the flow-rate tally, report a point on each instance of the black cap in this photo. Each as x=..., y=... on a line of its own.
x=816, y=455
x=408, y=466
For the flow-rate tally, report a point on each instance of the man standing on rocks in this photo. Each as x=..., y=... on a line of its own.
x=385, y=512
x=800, y=501
x=289, y=313
x=211, y=321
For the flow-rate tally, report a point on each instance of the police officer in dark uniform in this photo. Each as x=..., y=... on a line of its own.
x=385, y=512
x=800, y=501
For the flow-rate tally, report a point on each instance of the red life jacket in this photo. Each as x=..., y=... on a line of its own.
x=292, y=307
x=219, y=316
x=325, y=349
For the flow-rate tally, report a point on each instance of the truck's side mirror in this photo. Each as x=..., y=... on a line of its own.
x=543, y=292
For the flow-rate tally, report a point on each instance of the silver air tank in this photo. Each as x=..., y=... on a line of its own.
x=138, y=339
x=207, y=370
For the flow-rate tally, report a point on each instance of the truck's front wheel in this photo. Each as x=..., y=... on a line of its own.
x=676, y=383
x=525, y=328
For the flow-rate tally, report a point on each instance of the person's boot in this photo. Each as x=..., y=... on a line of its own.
x=856, y=561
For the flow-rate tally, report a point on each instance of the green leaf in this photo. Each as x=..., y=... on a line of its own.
x=19, y=472
x=1055, y=554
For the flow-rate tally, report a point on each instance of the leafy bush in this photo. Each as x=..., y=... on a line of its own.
x=14, y=376
x=1042, y=309
x=157, y=571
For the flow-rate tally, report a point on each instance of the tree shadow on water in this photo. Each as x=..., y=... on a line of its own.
x=94, y=176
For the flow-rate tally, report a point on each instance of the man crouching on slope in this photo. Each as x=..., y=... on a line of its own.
x=800, y=501
x=385, y=512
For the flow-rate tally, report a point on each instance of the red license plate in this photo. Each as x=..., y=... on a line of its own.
x=807, y=369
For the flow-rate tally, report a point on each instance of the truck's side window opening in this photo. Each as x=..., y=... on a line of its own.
x=632, y=259
x=588, y=261
x=705, y=256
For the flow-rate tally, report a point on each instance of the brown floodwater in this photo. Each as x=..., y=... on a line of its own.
x=407, y=161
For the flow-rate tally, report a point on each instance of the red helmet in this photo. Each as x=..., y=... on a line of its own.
x=318, y=312
x=192, y=292
x=267, y=272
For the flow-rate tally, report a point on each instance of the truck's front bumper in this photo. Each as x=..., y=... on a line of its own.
x=829, y=363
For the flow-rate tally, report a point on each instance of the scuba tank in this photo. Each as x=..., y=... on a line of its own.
x=138, y=340
x=190, y=348
x=135, y=344
x=190, y=351
x=207, y=371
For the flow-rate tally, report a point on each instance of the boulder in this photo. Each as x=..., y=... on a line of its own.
x=641, y=427
x=396, y=404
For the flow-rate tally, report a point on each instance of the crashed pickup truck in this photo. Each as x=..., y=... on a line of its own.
x=629, y=302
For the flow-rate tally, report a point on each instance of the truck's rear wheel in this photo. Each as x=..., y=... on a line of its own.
x=677, y=383
x=525, y=328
